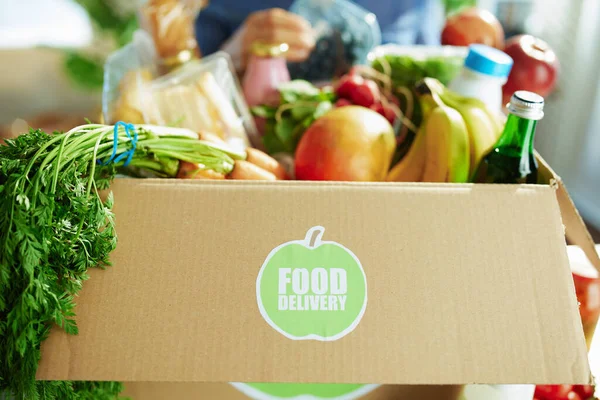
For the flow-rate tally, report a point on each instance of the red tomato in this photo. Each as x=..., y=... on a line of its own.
x=573, y=396
x=553, y=392
x=543, y=392
x=588, y=295
x=584, y=391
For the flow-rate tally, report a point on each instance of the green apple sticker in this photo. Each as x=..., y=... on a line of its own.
x=312, y=289
x=303, y=391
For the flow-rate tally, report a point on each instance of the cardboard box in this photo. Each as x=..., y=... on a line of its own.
x=443, y=285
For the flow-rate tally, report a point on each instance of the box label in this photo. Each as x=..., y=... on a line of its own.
x=303, y=391
x=312, y=289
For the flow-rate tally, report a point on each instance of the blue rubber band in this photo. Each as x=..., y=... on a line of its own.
x=132, y=140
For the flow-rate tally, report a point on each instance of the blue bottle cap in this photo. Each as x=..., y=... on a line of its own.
x=488, y=61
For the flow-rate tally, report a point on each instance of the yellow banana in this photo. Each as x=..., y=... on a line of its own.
x=460, y=146
x=437, y=143
x=497, y=118
x=483, y=128
x=410, y=168
x=447, y=137
x=447, y=146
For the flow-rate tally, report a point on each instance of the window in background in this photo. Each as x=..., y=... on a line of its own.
x=569, y=135
x=52, y=23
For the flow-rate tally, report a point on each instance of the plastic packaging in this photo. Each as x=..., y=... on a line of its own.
x=485, y=72
x=202, y=95
x=171, y=25
x=345, y=33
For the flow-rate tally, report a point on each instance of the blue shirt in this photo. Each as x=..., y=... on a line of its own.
x=405, y=22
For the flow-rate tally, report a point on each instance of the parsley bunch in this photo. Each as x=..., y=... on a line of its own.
x=54, y=226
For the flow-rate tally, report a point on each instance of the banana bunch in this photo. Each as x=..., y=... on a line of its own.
x=456, y=133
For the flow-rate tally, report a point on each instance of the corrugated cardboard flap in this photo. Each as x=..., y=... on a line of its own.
x=466, y=284
x=575, y=229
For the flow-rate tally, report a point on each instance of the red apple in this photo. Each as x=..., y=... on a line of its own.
x=472, y=26
x=535, y=67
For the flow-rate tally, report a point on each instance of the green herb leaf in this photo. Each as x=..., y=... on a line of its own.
x=298, y=88
x=301, y=103
x=301, y=112
x=53, y=228
x=264, y=111
x=285, y=132
x=322, y=109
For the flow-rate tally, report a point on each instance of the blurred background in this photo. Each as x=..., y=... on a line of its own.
x=52, y=54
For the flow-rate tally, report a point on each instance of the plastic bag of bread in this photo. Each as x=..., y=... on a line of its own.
x=171, y=25
x=201, y=95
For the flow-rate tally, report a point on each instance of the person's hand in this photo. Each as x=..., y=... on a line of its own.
x=279, y=26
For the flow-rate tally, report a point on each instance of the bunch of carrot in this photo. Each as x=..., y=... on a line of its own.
x=257, y=166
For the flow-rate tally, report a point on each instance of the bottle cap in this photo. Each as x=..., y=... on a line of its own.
x=488, y=61
x=269, y=49
x=527, y=105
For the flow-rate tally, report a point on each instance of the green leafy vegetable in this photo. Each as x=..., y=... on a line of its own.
x=407, y=71
x=54, y=227
x=300, y=104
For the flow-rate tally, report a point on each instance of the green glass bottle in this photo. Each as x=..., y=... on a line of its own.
x=512, y=160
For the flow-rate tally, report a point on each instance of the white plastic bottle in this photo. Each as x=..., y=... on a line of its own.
x=485, y=71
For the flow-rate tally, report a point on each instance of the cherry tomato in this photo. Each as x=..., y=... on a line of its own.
x=543, y=392
x=573, y=396
x=341, y=102
x=553, y=392
x=584, y=391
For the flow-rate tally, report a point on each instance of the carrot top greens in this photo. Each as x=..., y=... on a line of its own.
x=54, y=226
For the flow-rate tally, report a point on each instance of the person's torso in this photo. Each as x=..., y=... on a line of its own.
x=388, y=12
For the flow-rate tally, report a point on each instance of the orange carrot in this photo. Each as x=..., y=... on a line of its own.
x=189, y=170
x=244, y=170
x=266, y=162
